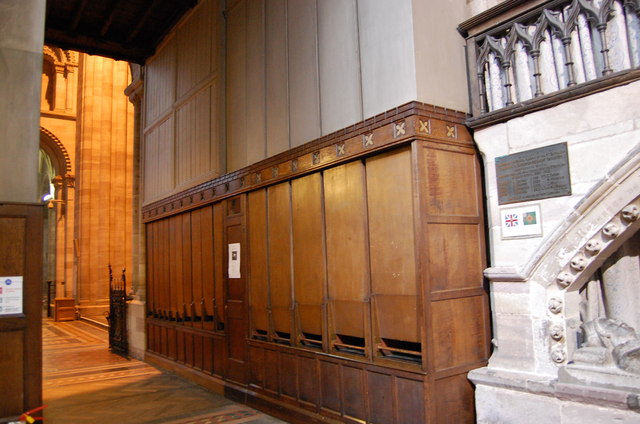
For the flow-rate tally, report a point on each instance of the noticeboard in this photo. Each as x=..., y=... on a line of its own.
x=534, y=174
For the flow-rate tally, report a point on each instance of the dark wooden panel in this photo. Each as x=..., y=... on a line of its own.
x=165, y=289
x=455, y=256
x=151, y=265
x=452, y=180
x=219, y=356
x=207, y=349
x=12, y=244
x=354, y=392
x=308, y=255
x=236, y=318
x=257, y=236
x=177, y=274
x=198, y=346
x=380, y=388
x=187, y=291
x=288, y=371
x=271, y=374
x=197, y=238
x=219, y=249
x=411, y=401
x=454, y=399
x=164, y=342
x=279, y=245
x=172, y=347
x=188, y=349
x=256, y=366
x=12, y=362
x=308, y=380
x=458, y=326
x=181, y=353
x=208, y=279
x=330, y=386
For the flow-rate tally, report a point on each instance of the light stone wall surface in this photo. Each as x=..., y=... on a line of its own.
x=602, y=132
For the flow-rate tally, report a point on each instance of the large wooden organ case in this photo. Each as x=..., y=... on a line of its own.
x=360, y=295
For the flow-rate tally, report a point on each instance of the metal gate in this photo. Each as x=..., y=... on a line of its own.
x=117, y=316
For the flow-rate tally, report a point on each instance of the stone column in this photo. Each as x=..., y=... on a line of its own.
x=104, y=190
x=136, y=311
x=21, y=42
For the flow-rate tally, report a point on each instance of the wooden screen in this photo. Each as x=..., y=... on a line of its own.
x=361, y=293
x=21, y=333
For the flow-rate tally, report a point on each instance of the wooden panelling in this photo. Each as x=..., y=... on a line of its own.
x=411, y=403
x=21, y=333
x=330, y=386
x=454, y=400
x=288, y=372
x=458, y=326
x=308, y=381
x=218, y=260
x=279, y=245
x=347, y=256
x=459, y=262
x=354, y=393
x=194, y=48
x=187, y=288
x=452, y=182
x=259, y=283
x=309, y=265
x=12, y=371
x=380, y=388
x=361, y=294
x=391, y=234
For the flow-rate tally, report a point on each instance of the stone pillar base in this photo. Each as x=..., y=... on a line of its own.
x=136, y=328
x=509, y=397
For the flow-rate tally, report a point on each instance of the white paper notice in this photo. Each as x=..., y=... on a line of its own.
x=10, y=295
x=234, y=260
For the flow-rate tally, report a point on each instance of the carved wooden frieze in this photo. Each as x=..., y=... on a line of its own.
x=401, y=125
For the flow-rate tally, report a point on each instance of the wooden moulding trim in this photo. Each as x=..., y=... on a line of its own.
x=562, y=96
x=186, y=328
x=395, y=127
x=385, y=366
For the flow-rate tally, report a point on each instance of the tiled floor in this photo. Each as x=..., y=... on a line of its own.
x=84, y=383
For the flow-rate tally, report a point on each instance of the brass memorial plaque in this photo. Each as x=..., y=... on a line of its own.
x=534, y=174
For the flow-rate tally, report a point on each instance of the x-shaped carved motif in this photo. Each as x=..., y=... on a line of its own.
x=367, y=140
x=398, y=129
x=425, y=126
x=316, y=158
x=451, y=131
x=340, y=149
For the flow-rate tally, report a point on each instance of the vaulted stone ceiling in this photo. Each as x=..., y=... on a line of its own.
x=121, y=29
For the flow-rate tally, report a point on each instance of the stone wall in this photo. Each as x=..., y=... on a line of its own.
x=534, y=285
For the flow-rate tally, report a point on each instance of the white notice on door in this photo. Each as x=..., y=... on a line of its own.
x=10, y=295
x=234, y=260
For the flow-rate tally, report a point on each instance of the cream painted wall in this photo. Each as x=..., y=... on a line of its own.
x=21, y=39
x=294, y=70
x=184, y=85
x=298, y=70
x=440, y=66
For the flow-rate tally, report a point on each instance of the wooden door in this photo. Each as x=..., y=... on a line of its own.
x=235, y=288
x=21, y=332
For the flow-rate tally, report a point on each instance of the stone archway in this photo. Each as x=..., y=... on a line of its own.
x=60, y=214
